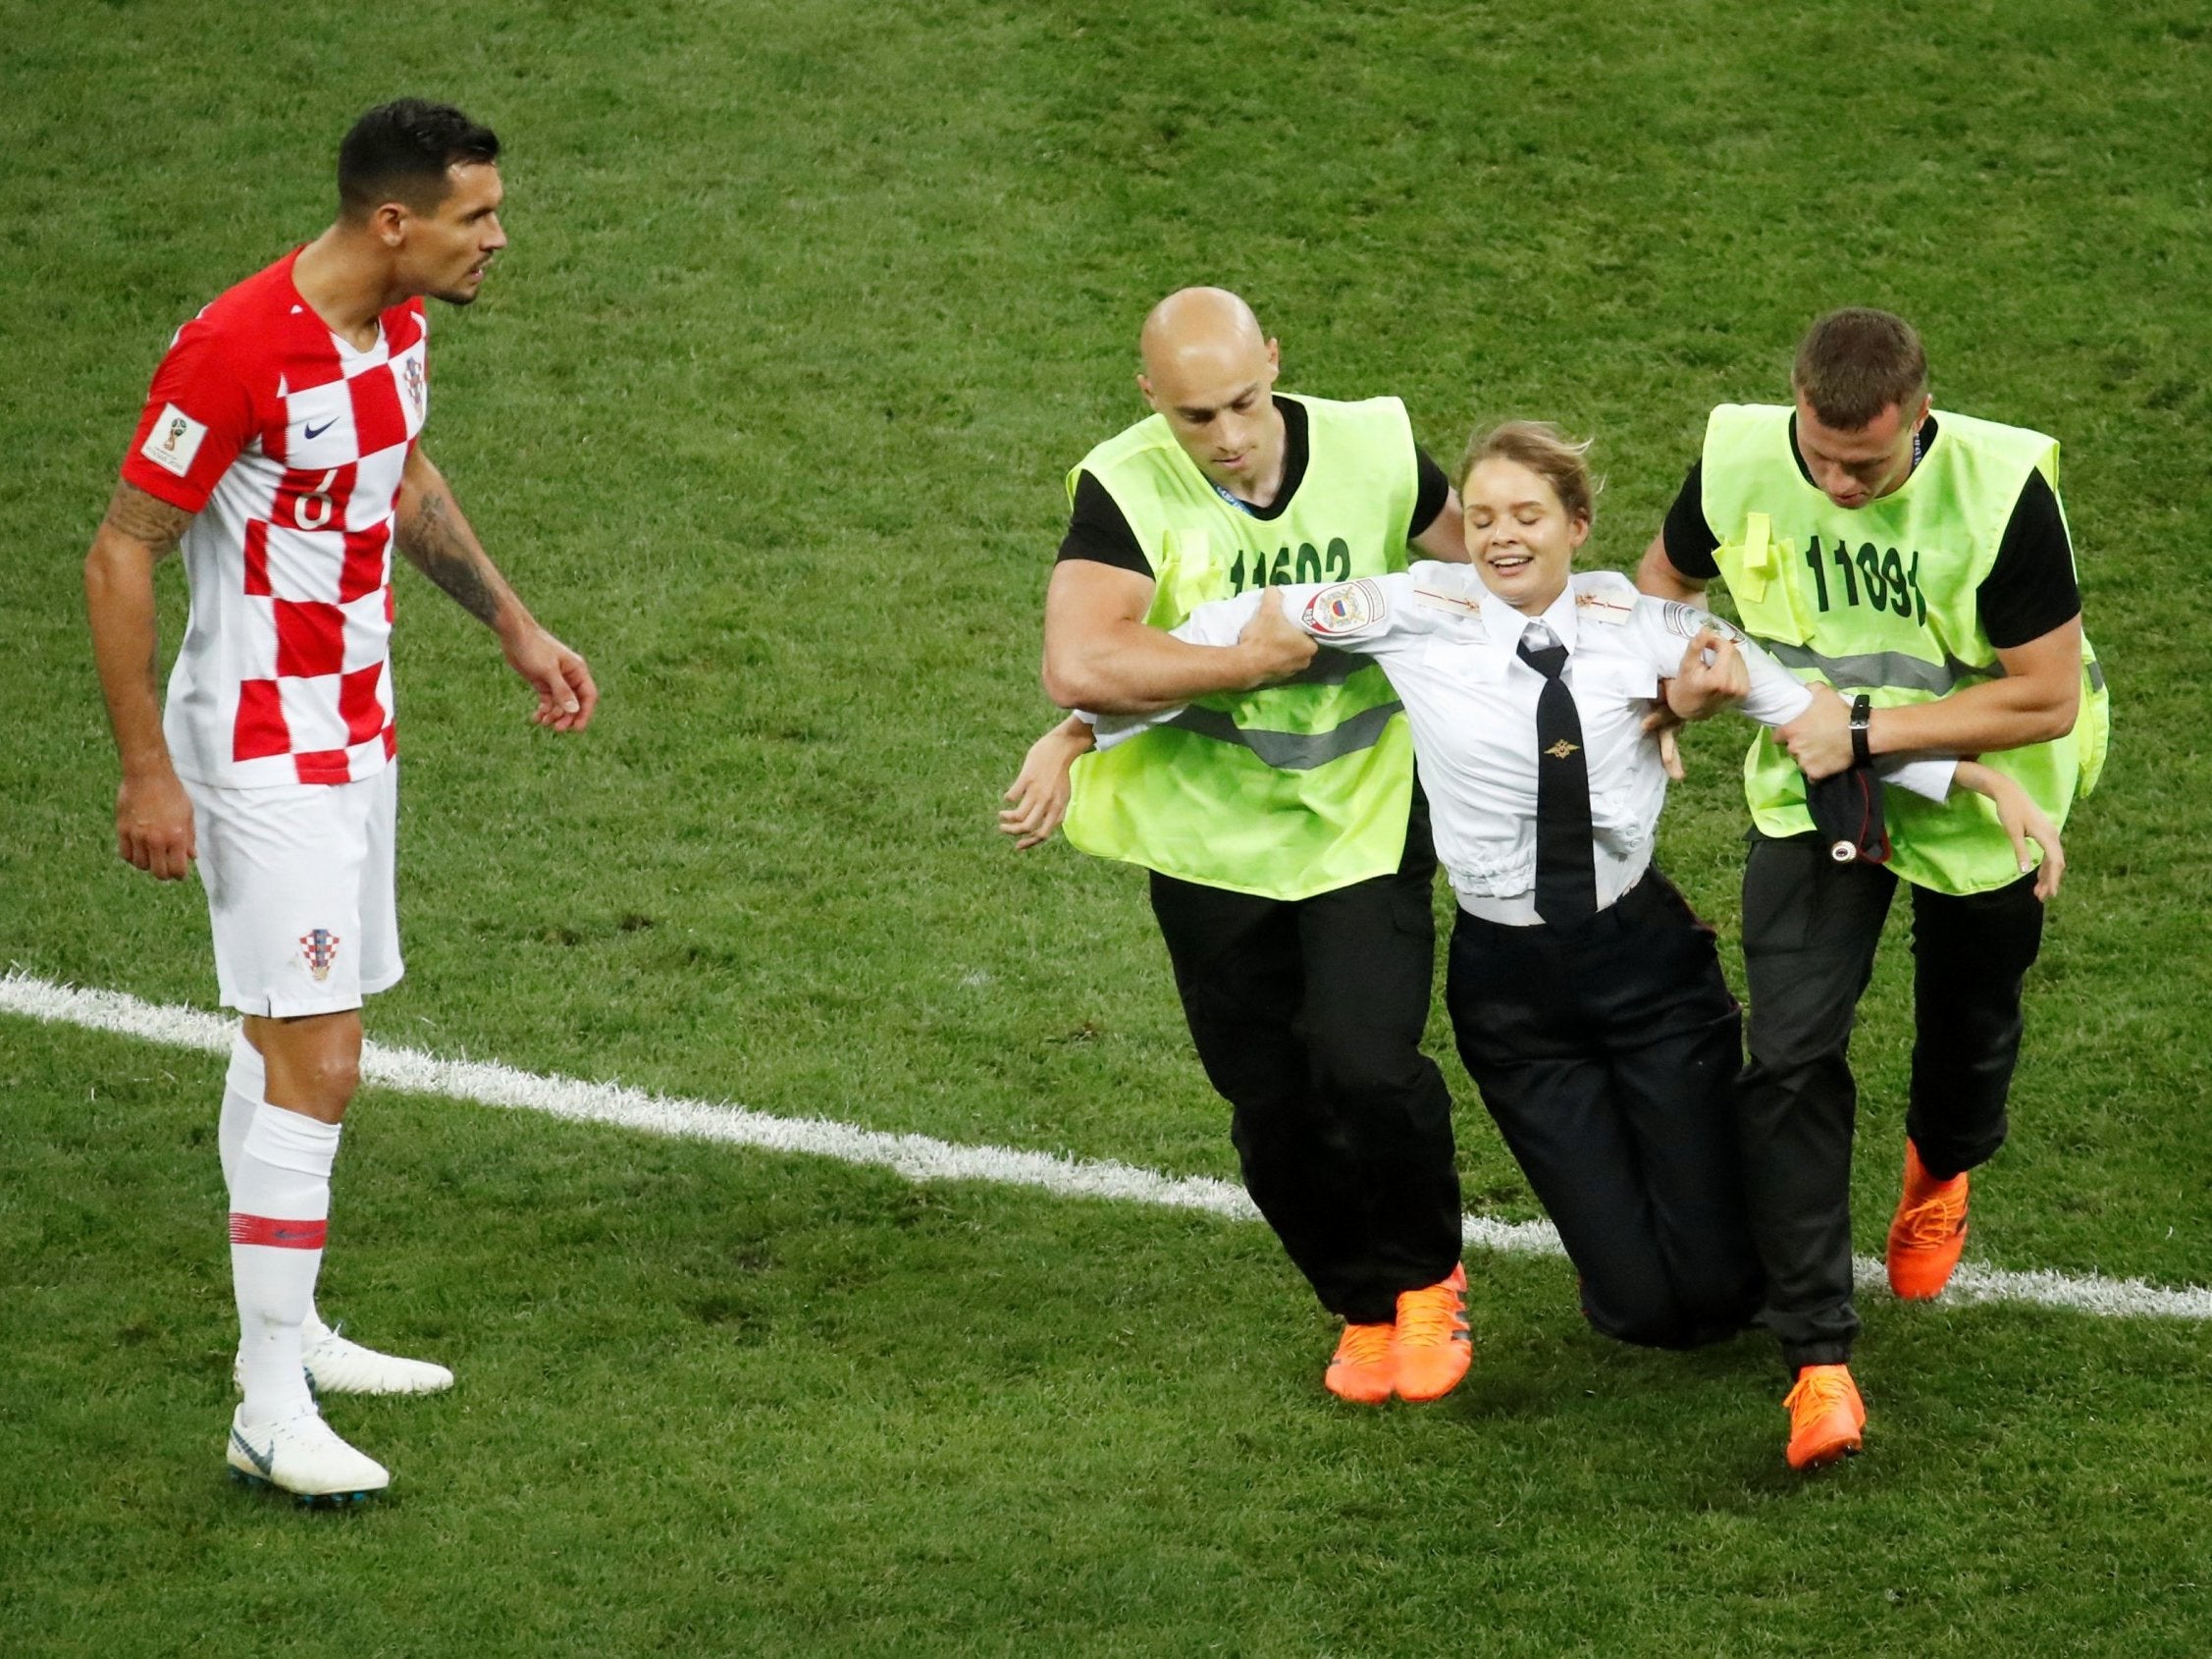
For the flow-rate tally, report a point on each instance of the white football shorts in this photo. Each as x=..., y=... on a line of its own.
x=299, y=888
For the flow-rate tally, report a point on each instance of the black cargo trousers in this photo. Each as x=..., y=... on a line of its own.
x=1307, y=1015
x=1810, y=926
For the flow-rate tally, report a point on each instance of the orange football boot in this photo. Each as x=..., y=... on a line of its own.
x=1431, y=1343
x=1826, y=1418
x=1364, y=1370
x=1927, y=1232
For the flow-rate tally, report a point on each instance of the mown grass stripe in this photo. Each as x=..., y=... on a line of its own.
x=920, y=1158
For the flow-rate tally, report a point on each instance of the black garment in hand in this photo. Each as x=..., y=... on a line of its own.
x=1567, y=860
x=1847, y=811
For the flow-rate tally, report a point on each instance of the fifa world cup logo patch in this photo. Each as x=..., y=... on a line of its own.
x=177, y=430
x=320, y=946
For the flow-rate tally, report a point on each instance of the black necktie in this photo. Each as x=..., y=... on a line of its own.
x=1566, y=862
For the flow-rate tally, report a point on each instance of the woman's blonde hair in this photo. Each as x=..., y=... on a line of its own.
x=1559, y=460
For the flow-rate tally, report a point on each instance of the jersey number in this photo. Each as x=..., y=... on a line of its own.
x=1883, y=576
x=312, y=510
x=1311, y=566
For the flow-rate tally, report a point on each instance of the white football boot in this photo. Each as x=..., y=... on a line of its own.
x=302, y=1455
x=336, y=1364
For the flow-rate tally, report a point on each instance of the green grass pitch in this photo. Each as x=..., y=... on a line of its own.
x=807, y=311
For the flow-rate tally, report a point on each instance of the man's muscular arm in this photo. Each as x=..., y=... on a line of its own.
x=1655, y=574
x=1099, y=655
x=2034, y=701
x=1445, y=538
x=437, y=540
x=153, y=817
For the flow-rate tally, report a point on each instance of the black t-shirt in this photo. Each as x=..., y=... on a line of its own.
x=2030, y=590
x=1097, y=529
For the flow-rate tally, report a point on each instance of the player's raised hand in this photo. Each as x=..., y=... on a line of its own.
x=562, y=679
x=154, y=825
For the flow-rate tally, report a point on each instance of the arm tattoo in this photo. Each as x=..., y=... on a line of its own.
x=440, y=547
x=146, y=520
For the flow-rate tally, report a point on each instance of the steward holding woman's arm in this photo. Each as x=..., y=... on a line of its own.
x=1586, y=997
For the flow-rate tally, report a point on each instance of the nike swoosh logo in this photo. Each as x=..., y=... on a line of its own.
x=263, y=1461
x=313, y=432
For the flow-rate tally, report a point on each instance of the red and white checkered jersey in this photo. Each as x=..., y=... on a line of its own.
x=288, y=445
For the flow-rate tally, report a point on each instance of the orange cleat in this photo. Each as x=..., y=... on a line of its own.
x=1431, y=1343
x=1927, y=1232
x=1364, y=1371
x=1828, y=1421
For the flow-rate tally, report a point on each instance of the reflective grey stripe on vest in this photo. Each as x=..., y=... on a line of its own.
x=1892, y=668
x=2097, y=675
x=1291, y=751
x=1329, y=668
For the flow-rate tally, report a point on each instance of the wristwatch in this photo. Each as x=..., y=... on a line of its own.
x=1861, y=716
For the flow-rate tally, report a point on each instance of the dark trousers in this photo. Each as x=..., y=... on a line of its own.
x=1606, y=1053
x=1810, y=926
x=1309, y=1017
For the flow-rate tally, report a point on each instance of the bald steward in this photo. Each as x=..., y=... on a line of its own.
x=1210, y=370
x=1293, y=898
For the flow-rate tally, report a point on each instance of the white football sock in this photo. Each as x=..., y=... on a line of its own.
x=280, y=1205
x=244, y=1086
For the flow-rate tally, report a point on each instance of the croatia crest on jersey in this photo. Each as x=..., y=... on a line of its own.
x=320, y=946
x=411, y=378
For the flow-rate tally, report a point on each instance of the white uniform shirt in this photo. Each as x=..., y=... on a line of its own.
x=1450, y=649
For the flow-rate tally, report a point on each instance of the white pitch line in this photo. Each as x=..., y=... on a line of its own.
x=919, y=1157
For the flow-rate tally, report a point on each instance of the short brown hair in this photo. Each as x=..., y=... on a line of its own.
x=1559, y=460
x=1854, y=363
x=399, y=152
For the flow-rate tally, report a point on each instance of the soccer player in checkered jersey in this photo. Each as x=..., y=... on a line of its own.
x=280, y=449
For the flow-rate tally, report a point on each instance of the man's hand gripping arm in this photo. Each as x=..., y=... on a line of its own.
x=1271, y=647
x=1099, y=655
x=2033, y=701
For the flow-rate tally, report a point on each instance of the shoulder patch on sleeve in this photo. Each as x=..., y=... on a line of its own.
x=174, y=441
x=1345, y=607
x=1685, y=620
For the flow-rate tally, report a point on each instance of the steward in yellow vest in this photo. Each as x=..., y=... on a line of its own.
x=1290, y=853
x=1884, y=599
x=1917, y=567
x=1320, y=771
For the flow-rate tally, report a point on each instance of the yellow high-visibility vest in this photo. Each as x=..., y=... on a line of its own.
x=1880, y=599
x=1296, y=789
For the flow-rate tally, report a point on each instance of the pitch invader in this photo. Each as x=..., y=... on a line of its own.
x=280, y=449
